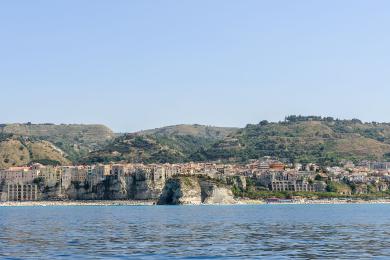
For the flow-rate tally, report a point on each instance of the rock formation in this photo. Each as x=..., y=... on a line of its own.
x=195, y=190
x=148, y=185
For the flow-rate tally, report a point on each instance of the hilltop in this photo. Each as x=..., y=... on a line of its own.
x=201, y=131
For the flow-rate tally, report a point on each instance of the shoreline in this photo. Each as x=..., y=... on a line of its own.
x=44, y=203
x=239, y=202
x=318, y=202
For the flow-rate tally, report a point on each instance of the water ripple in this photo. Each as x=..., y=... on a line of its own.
x=196, y=232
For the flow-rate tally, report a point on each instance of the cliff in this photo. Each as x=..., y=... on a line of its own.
x=194, y=190
x=140, y=186
x=143, y=185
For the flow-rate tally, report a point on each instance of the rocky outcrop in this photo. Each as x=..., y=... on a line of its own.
x=147, y=185
x=140, y=186
x=214, y=193
x=194, y=190
x=237, y=181
x=181, y=190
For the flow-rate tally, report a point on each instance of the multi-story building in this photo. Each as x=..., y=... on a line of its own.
x=289, y=181
x=79, y=174
x=18, y=175
x=22, y=192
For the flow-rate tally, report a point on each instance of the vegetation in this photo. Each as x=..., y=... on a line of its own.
x=136, y=148
x=323, y=140
x=199, y=131
x=340, y=190
x=74, y=141
x=326, y=141
x=310, y=195
x=39, y=181
x=163, y=145
x=46, y=162
x=338, y=187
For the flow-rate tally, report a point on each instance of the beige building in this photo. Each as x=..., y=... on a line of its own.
x=22, y=192
x=51, y=175
x=18, y=175
x=79, y=174
x=98, y=174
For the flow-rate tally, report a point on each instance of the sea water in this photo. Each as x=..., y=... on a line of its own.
x=188, y=232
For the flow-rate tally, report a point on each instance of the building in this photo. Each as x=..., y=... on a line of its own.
x=277, y=166
x=79, y=174
x=284, y=181
x=18, y=175
x=22, y=192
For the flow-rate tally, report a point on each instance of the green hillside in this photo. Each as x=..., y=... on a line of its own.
x=297, y=139
x=201, y=131
x=305, y=139
x=136, y=149
x=167, y=144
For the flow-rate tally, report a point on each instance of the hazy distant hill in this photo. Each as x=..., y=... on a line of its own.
x=75, y=140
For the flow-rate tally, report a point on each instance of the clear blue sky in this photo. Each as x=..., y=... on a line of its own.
x=142, y=64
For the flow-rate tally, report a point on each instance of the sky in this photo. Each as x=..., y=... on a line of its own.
x=134, y=65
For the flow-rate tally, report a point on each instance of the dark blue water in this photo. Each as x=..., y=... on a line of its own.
x=153, y=232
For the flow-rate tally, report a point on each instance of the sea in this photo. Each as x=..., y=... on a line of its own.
x=296, y=231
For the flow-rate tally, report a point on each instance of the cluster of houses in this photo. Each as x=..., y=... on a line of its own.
x=362, y=178
x=29, y=183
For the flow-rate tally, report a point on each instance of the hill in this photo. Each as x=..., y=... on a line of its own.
x=201, y=131
x=166, y=144
x=18, y=151
x=136, y=148
x=326, y=141
x=74, y=140
x=305, y=139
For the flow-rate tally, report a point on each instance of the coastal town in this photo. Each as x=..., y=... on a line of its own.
x=38, y=182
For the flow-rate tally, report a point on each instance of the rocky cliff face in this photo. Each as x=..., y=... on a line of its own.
x=213, y=193
x=193, y=190
x=140, y=186
x=181, y=190
x=145, y=185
